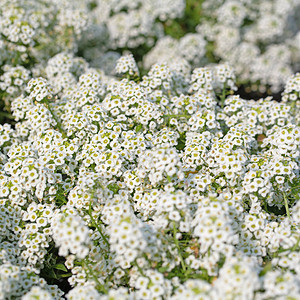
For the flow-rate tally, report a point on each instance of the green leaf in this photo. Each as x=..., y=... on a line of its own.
x=61, y=267
x=181, y=142
x=65, y=275
x=138, y=128
x=113, y=187
x=162, y=269
x=50, y=274
x=266, y=269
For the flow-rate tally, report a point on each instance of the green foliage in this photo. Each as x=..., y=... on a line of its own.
x=113, y=187
x=54, y=268
x=179, y=27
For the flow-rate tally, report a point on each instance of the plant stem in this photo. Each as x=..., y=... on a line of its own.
x=96, y=225
x=286, y=204
x=223, y=97
x=140, y=269
x=48, y=105
x=178, y=247
x=91, y=272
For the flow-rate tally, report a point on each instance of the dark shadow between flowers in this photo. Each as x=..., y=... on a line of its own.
x=244, y=93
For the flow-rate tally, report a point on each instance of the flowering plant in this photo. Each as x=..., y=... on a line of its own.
x=156, y=187
x=155, y=180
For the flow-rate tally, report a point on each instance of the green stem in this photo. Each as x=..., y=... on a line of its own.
x=286, y=204
x=223, y=97
x=205, y=163
x=6, y=115
x=178, y=247
x=266, y=206
x=295, y=246
x=56, y=119
x=92, y=274
x=140, y=269
x=96, y=225
x=169, y=179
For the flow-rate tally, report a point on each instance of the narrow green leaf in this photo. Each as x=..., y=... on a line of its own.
x=138, y=128
x=61, y=267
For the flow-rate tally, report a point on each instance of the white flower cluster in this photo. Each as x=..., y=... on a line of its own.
x=249, y=36
x=31, y=32
x=17, y=282
x=156, y=187
x=161, y=182
x=37, y=292
x=127, y=64
x=63, y=70
x=25, y=25
x=70, y=234
x=12, y=82
x=190, y=47
x=292, y=88
x=291, y=94
x=133, y=23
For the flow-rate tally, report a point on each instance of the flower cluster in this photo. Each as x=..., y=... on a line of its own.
x=32, y=32
x=190, y=47
x=127, y=64
x=70, y=234
x=12, y=82
x=17, y=282
x=252, y=36
x=249, y=36
x=156, y=187
x=133, y=23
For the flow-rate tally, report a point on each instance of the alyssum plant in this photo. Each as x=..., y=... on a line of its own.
x=165, y=186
